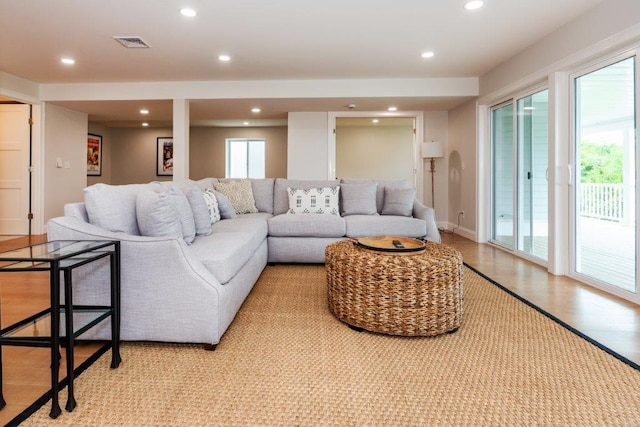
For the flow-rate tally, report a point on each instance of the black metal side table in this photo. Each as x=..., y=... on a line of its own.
x=45, y=329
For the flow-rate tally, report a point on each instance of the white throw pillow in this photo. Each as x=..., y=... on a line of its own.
x=314, y=200
x=211, y=201
x=239, y=193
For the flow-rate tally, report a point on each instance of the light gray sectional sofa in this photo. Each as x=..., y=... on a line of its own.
x=184, y=279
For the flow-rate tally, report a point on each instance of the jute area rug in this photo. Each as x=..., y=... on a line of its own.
x=286, y=360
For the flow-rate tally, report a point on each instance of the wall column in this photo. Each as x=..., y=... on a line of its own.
x=180, y=139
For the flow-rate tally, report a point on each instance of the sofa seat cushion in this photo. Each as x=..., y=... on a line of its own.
x=306, y=225
x=372, y=225
x=230, y=246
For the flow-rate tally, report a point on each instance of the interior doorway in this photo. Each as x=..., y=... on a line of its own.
x=15, y=192
x=388, y=149
x=380, y=148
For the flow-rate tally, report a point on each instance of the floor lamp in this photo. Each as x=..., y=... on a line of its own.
x=432, y=150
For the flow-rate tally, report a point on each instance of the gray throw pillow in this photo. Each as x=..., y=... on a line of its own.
x=398, y=201
x=359, y=199
x=157, y=215
x=185, y=213
x=199, y=208
x=224, y=205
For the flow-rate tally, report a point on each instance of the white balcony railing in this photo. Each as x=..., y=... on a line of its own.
x=603, y=201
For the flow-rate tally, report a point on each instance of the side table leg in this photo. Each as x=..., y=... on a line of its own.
x=3, y=402
x=55, y=337
x=114, y=259
x=68, y=313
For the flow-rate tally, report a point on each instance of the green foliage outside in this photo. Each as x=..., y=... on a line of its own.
x=601, y=163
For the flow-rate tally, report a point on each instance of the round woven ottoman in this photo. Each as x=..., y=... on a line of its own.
x=408, y=294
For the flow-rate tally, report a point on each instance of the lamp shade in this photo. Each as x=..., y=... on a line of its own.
x=432, y=150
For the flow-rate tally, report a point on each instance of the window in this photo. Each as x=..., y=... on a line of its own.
x=245, y=158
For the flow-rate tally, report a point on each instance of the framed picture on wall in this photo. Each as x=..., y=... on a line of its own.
x=94, y=155
x=164, y=154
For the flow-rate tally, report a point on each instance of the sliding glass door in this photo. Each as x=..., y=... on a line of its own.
x=533, y=149
x=502, y=167
x=604, y=190
x=519, y=170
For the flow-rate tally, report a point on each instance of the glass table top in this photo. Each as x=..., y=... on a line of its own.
x=54, y=250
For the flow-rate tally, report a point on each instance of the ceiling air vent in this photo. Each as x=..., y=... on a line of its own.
x=132, y=42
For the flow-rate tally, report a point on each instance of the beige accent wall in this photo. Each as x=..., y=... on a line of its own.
x=65, y=136
x=380, y=152
x=105, y=133
x=133, y=155
x=207, y=149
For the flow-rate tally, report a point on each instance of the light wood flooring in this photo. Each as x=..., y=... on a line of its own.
x=607, y=319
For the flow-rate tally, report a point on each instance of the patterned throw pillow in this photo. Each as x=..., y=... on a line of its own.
x=239, y=193
x=313, y=200
x=212, y=205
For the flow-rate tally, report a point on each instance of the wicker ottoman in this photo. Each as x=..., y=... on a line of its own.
x=408, y=294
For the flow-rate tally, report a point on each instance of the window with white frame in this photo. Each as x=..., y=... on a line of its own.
x=245, y=158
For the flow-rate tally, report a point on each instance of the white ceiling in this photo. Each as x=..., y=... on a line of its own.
x=267, y=40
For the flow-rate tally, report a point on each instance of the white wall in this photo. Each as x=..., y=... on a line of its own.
x=307, y=146
x=65, y=136
x=584, y=37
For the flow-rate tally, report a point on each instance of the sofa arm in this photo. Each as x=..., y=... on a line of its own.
x=167, y=294
x=428, y=215
x=140, y=248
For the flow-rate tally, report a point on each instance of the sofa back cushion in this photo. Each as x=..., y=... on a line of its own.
x=398, y=201
x=281, y=197
x=158, y=215
x=359, y=199
x=113, y=207
x=382, y=184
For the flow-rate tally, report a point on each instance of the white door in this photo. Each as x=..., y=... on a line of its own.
x=14, y=169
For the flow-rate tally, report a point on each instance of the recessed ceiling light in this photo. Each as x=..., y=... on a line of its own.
x=190, y=13
x=224, y=58
x=145, y=124
x=255, y=110
x=68, y=61
x=428, y=54
x=246, y=123
x=473, y=4
x=375, y=120
x=392, y=109
x=144, y=111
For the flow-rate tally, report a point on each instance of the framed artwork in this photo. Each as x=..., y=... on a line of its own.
x=94, y=155
x=164, y=154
